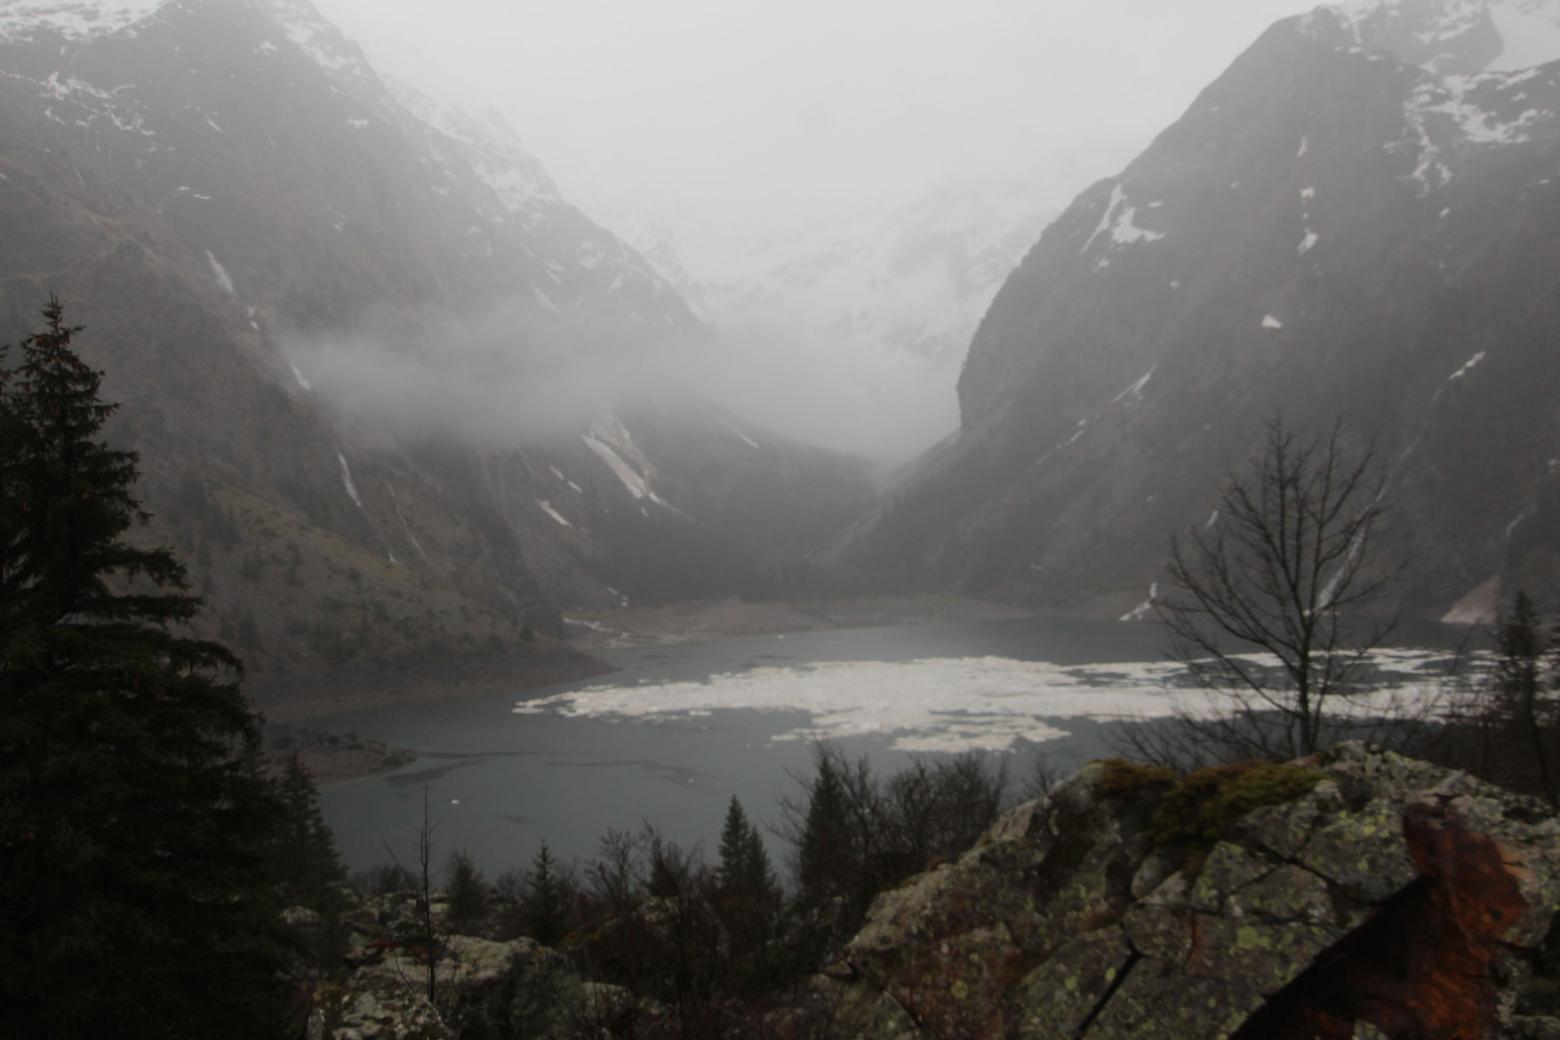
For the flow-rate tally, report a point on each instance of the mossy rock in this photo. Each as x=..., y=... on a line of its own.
x=1201, y=807
x=1121, y=778
x=1204, y=805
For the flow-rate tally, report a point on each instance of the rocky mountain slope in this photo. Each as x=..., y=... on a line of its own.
x=885, y=303
x=1358, y=220
x=358, y=336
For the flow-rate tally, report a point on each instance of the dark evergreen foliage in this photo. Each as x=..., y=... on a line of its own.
x=545, y=909
x=303, y=849
x=825, y=846
x=744, y=863
x=467, y=893
x=134, y=817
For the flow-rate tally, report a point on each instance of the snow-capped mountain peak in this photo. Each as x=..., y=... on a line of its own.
x=1456, y=37
x=73, y=19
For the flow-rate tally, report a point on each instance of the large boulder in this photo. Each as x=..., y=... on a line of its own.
x=1356, y=894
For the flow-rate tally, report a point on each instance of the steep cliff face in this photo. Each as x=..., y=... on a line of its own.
x=1344, y=225
x=356, y=331
x=1361, y=895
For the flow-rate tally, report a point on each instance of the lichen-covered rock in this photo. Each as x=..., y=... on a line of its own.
x=402, y=1014
x=1383, y=898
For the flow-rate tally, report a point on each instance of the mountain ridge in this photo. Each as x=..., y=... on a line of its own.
x=1329, y=231
x=233, y=203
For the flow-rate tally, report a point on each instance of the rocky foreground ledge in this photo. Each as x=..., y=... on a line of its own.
x=1391, y=899
x=1357, y=896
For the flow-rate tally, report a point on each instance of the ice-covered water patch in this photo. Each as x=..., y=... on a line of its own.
x=930, y=705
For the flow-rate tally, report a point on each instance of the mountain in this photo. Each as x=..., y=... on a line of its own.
x=885, y=302
x=1357, y=220
x=393, y=394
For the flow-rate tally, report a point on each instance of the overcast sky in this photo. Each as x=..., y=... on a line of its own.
x=732, y=107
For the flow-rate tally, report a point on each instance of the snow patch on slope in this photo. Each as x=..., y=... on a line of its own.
x=1530, y=32
x=547, y=507
x=1468, y=366
x=1135, y=391
x=614, y=445
x=73, y=19
x=1119, y=222
x=220, y=273
x=744, y=438
x=346, y=482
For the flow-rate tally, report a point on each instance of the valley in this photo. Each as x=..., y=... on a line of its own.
x=1002, y=522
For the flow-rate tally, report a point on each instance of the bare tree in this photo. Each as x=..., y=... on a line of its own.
x=420, y=880
x=1273, y=604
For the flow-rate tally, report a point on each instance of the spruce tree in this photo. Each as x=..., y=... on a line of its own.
x=306, y=863
x=134, y=817
x=744, y=863
x=825, y=854
x=545, y=907
x=466, y=891
x=1523, y=691
x=733, y=847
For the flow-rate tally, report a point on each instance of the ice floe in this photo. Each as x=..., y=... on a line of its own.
x=931, y=705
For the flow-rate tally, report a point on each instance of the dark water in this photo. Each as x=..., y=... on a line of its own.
x=499, y=784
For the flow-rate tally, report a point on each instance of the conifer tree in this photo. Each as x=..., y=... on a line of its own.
x=545, y=907
x=1523, y=689
x=744, y=863
x=304, y=850
x=825, y=852
x=134, y=816
x=466, y=891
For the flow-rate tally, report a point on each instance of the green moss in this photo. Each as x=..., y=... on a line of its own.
x=1204, y=805
x=1120, y=778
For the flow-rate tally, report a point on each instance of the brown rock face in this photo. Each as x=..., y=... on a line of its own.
x=1394, y=899
x=1427, y=964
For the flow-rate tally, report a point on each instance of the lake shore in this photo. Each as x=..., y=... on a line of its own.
x=715, y=619
x=308, y=702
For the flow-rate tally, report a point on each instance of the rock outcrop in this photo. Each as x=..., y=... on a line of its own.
x=1390, y=899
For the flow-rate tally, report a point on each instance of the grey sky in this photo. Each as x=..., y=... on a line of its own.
x=733, y=107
